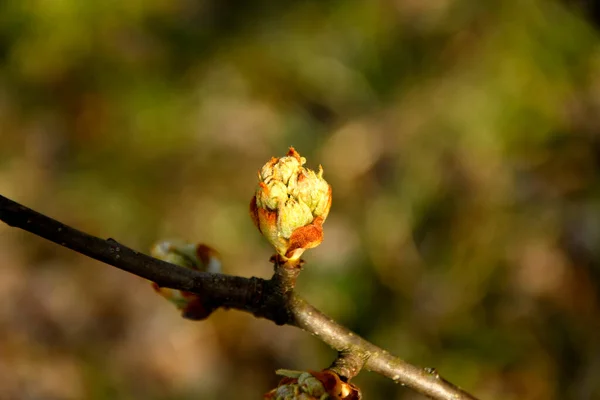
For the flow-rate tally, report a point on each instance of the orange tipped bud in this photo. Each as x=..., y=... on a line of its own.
x=301, y=385
x=290, y=204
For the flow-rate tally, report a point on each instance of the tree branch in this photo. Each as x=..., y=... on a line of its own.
x=263, y=298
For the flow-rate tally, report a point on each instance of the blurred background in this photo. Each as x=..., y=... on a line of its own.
x=461, y=138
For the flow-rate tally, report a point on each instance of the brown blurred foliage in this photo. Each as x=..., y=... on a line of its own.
x=461, y=139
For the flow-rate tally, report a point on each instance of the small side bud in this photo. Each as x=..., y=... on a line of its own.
x=303, y=385
x=199, y=257
x=290, y=204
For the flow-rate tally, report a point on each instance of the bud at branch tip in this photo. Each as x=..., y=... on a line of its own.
x=290, y=204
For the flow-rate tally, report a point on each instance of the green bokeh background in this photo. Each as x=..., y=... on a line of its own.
x=461, y=138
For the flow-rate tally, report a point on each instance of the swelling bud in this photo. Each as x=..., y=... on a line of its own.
x=290, y=204
x=309, y=385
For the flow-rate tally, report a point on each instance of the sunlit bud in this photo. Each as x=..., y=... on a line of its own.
x=199, y=257
x=290, y=204
x=302, y=385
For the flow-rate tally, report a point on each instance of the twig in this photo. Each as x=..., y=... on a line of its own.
x=286, y=273
x=348, y=363
x=263, y=298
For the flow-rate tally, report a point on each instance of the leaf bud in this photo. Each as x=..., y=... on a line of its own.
x=199, y=257
x=290, y=204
